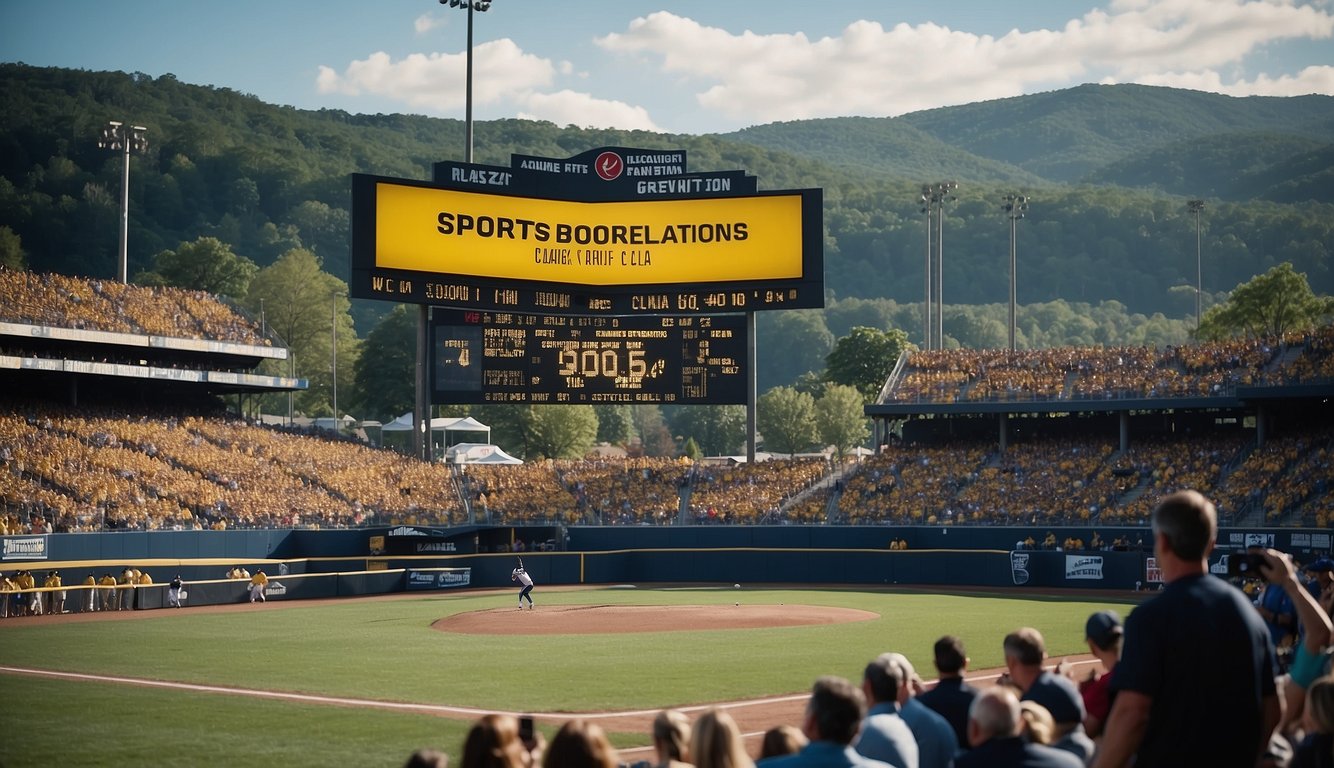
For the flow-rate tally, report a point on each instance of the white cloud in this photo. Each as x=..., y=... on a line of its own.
x=435, y=82
x=570, y=108
x=870, y=70
x=426, y=22
x=1315, y=79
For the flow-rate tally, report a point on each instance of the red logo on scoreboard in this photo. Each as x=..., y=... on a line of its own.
x=609, y=165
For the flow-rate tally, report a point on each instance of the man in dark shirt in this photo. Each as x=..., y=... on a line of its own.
x=1195, y=685
x=952, y=696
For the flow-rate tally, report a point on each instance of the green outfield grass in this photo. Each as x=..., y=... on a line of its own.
x=386, y=650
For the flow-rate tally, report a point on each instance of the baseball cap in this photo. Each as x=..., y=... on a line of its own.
x=1320, y=564
x=1103, y=628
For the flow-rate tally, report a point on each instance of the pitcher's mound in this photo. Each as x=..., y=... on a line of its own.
x=605, y=619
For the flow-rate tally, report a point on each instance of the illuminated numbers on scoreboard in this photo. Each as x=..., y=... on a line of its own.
x=504, y=357
x=606, y=362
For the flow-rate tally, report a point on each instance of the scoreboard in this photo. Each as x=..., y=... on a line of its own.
x=509, y=357
x=413, y=242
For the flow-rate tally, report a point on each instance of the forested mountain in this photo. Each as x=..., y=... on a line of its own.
x=1232, y=166
x=1064, y=135
x=883, y=145
x=1108, y=168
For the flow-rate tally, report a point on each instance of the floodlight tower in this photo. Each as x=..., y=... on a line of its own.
x=1015, y=207
x=422, y=409
x=927, y=208
x=1196, y=207
x=125, y=139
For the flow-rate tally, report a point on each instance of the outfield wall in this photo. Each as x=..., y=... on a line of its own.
x=311, y=564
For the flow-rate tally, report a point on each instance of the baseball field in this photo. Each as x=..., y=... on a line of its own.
x=366, y=681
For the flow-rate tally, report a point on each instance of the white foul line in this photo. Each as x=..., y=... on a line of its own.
x=438, y=708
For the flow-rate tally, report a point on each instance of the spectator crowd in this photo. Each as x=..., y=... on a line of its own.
x=1192, y=677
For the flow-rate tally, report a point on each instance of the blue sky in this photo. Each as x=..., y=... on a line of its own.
x=688, y=66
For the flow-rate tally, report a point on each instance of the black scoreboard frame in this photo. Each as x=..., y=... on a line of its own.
x=522, y=359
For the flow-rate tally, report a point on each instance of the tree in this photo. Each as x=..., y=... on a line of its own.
x=615, y=423
x=864, y=358
x=1272, y=304
x=304, y=305
x=719, y=429
x=204, y=264
x=384, y=383
x=791, y=344
x=510, y=427
x=11, y=250
x=562, y=431
x=786, y=418
x=651, y=428
x=840, y=418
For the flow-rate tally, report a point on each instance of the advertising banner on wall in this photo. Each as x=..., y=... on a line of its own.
x=1087, y=567
x=24, y=548
x=439, y=578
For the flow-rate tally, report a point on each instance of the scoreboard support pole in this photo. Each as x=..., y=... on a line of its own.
x=421, y=416
x=751, y=387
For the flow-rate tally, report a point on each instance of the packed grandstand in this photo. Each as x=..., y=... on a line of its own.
x=1097, y=434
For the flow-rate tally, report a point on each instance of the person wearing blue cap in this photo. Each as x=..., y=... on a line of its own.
x=1321, y=583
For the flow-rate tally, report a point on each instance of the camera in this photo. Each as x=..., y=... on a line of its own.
x=1245, y=565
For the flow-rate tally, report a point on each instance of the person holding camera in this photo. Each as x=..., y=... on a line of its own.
x=1196, y=644
x=1309, y=661
x=1278, y=610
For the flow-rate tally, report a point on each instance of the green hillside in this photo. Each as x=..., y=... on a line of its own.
x=1063, y=135
x=264, y=179
x=891, y=146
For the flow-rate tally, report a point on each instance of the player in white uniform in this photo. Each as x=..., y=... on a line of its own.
x=521, y=576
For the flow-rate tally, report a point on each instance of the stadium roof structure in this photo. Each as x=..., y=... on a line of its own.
x=42, y=356
x=1242, y=398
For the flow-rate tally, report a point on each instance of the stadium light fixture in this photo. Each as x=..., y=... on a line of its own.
x=119, y=137
x=1015, y=208
x=1196, y=207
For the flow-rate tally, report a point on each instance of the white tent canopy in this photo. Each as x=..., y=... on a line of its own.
x=441, y=427
x=439, y=424
x=478, y=453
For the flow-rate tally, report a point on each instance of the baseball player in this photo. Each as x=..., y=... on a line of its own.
x=521, y=576
x=174, y=592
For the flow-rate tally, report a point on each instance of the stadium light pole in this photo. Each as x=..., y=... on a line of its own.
x=940, y=194
x=1196, y=207
x=1015, y=206
x=421, y=411
x=333, y=353
x=926, y=272
x=124, y=138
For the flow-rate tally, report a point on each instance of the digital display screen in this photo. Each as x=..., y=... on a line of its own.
x=417, y=243
x=503, y=357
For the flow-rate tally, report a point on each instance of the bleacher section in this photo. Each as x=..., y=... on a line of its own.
x=58, y=333
x=1070, y=436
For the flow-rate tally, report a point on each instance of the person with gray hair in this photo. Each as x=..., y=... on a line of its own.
x=885, y=735
x=1195, y=684
x=994, y=723
x=936, y=743
x=833, y=717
